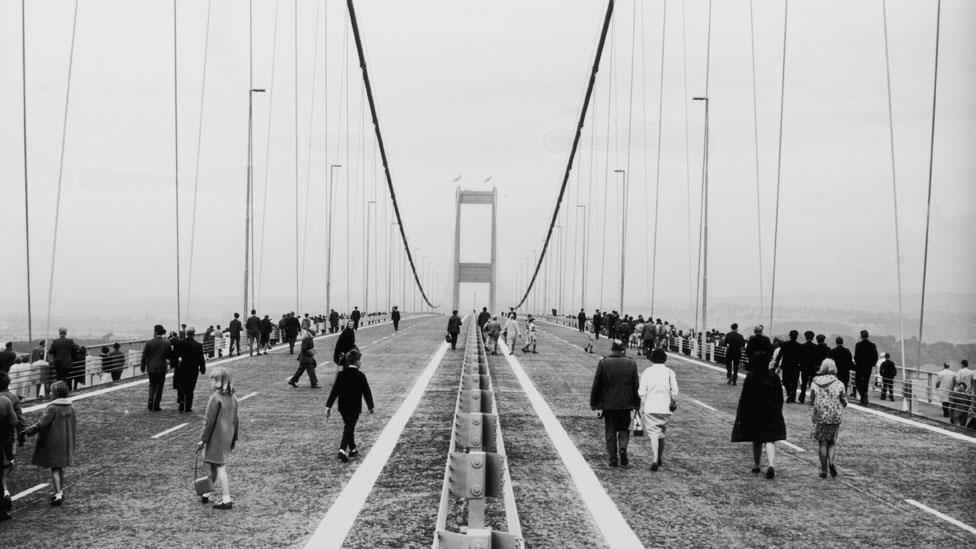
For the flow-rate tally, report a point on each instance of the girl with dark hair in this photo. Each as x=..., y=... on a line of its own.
x=56, y=438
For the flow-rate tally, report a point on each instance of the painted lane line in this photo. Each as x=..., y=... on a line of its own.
x=29, y=491
x=170, y=430
x=335, y=526
x=942, y=516
x=247, y=396
x=858, y=407
x=791, y=445
x=611, y=523
x=703, y=405
x=218, y=362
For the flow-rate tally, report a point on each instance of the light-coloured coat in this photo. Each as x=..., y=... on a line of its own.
x=219, y=433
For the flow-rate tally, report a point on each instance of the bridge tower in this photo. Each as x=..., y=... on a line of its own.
x=475, y=272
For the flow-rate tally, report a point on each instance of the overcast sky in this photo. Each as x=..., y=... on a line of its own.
x=482, y=90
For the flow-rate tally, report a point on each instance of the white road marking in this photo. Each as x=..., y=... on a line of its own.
x=29, y=491
x=611, y=523
x=335, y=526
x=942, y=516
x=791, y=445
x=702, y=404
x=218, y=362
x=247, y=396
x=170, y=430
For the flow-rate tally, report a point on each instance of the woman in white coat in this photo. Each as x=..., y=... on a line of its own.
x=658, y=392
x=511, y=333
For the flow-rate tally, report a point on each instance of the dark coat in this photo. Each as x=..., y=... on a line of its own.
x=759, y=351
x=62, y=353
x=155, y=356
x=811, y=357
x=483, y=317
x=188, y=362
x=266, y=327
x=454, y=324
x=114, y=361
x=734, y=342
x=394, y=316
x=355, y=315
x=292, y=326
x=8, y=428
x=759, y=417
x=56, y=435
x=7, y=359
x=865, y=355
x=306, y=355
x=845, y=362
x=344, y=343
x=253, y=325
x=790, y=355
x=351, y=388
x=235, y=327
x=615, y=384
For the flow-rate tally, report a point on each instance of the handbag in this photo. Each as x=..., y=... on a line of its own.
x=636, y=425
x=447, y=337
x=202, y=485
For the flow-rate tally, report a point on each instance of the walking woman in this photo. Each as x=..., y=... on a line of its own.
x=829, y=400
x=55, y=447
x=759, y=417
x=306, y=361
x=219, y=435
x=658, y=392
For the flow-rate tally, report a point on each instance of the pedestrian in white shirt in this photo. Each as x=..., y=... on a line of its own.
x=658, y=392
x=511, y=333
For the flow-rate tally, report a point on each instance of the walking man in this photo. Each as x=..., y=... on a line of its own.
x=865, y=357
x=344, y=343
x=454, y=328
x=395, y=317
x=945, y=381
x=306, y=361
x=614, y=393
x=597, y=323
x=483, y=317
x=62, y=352
x=188, y=362
x=734, y=342
x=355, y=316
x=235, y=328
x=581, y=320
x=253, y=327
x=844, y=361
x=156, y=355
x=790, y=357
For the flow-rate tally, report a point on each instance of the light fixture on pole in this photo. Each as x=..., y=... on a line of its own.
x=704, y=326
x=329, y=208
x=623, y=235
x=248, y=229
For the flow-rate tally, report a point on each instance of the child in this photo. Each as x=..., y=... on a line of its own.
x=350, y=388
x=529, y=335
x=959, y=404
x=589, y=336
x=56, y=438
x=219, y=434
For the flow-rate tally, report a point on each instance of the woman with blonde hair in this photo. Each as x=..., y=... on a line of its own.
x=658, y=392
x=829, y=398
x=219, y=435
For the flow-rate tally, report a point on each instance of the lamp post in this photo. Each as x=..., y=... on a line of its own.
x=559, y=269
x=704, y=326
x=329, y=207
x=369, y=227
x=623, y=235
x=248, y=229
x=389, y=269
x=583, y=282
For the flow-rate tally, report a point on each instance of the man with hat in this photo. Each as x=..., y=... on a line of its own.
x=759, y=351
x=188, y=362
x=156, y=354
x=865, y=358
x=395, y=317
x=614, y=392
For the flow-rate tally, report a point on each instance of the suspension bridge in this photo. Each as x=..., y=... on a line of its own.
x=788, y=165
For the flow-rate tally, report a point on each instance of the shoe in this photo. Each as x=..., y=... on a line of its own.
x=205, y=498
x=6, y=504
x=316, y=386
x=534, y=352
x=4, y=517
x=188, y=410
x=181, y=408
x=833, y=470
x=613, y=462
x=823, y=474
x=734, y=381
x=292, y=383
x=354, y=452
x=224, y=505
x=57, y=500
x=728, y=381
x=755, y=470
x=623, y=458
x=770, y=473
x=342, y=456
x=157, y=409
x=654, y=466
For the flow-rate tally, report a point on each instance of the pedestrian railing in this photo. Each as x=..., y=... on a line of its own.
x=476, y=469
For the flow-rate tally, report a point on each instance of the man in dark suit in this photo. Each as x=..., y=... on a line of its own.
x=156, y=356
x=865, y=358
x=483, y=317
x=61, y=353
x=454, y=328
x=188, y=362
x=292, y=327
x=581, y=320
x=355, y=315
x=844, y=361
x=790, y=359
x=614, y=392
x=395, y=317
x=334, y=321
x=733, y=354
x=344, y=343
x=253, y=327
x=235, y=328
x=759, y=351
x=597, y=323
x=809, y=363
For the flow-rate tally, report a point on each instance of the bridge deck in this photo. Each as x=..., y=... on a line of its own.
x=129, y=490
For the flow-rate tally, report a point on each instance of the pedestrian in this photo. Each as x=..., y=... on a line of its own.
x=759, y=351
x=959, y=404
x=333, y=321
x=511, y=332
x=253, y=328
x=55, y=446
x=614, y=393
x=156, y=356
x=581, y=320
x=759, y=416
x=588, y=337
x=62, y=353
x=208, y=342
x=734, y=343
x=844, y=360
x=218, y=339
x=344, y=343
x=483, y=317
x=658, y=392
x=355, y=315
x=493, y=328
x=292, y=330
x=888, y=372
x=945, y=382
x=266, y=327
x=865, y=357
x=350, y=388
x=7, y=357
x=235, y=328
x=809, y=363
x=530, y=339
x=306, y=361
x=965, y=376
x=188, y=362
x=11, y=429
x=790, y=361
x=395, y=317
x=829, y=398
x=219, y=435
x=114, y=363
x=454, y=328
x=597, y=324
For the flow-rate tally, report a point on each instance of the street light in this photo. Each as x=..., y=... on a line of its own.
x=623, y=236
x=704, y=231
x=559, y=269
x=583, y=283
x=389, y=268
x=366, y=277
x=248, y=229
x=329, y=206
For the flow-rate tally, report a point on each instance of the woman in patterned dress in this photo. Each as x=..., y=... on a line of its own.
x=829, y=400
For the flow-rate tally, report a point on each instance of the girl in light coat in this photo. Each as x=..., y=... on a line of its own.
x=658, y=392
x=219, y=434
x=829, y=400
x=55, y=431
